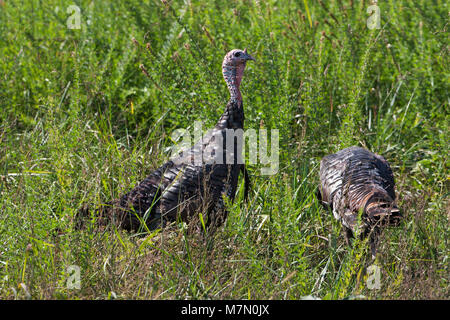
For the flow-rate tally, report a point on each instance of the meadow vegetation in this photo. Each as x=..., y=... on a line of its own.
x=81, y=123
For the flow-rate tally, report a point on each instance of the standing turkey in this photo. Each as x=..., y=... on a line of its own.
x=185, y=186
x=356, y=180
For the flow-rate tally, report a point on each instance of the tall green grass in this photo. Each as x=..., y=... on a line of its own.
x=81, y=123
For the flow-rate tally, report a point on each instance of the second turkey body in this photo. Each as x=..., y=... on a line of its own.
x=195, y=180
x=356, y=182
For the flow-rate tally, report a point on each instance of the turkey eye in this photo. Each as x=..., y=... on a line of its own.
x=237, y=54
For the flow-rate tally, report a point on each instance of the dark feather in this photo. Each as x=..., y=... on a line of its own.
x=181, y=188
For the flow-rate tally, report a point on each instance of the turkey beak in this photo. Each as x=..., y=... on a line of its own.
x=247, y=56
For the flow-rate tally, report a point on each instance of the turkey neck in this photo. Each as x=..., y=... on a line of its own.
x=233, y=116
x=233, y=77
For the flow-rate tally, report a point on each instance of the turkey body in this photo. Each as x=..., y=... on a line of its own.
x=183, y=187
x=355, y=181
x=196, y=180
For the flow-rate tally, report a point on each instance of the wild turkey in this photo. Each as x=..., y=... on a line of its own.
x=356, y=180
x=184, y=186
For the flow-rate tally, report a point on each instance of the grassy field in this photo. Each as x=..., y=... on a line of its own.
x=80, y=123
